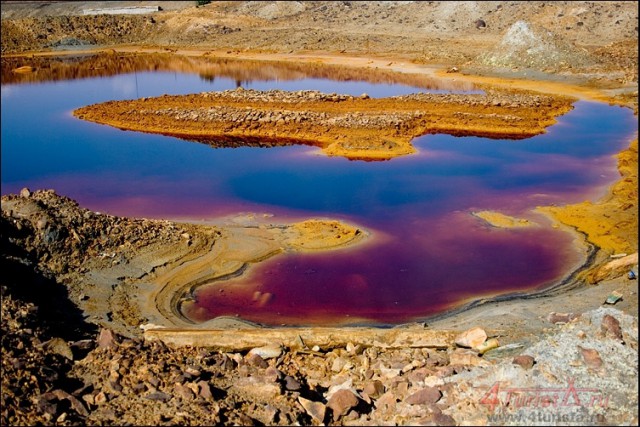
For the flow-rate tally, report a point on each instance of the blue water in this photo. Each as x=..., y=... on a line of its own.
x=434, y=254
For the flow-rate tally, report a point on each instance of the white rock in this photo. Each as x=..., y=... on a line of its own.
x=267, y=351
x=471, y=338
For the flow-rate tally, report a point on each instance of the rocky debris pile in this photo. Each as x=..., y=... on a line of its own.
x=237, y=115
x=108, y=378
x=114, y=379
x=451, y=33
x=284, y=96
x=585, y=370
x=249, y=118
x=272, y=10
x=63, y=236
x=253, y=118
x=58, y=369
x=624, y=59
x=36, y=387
x=493, y=98
x=489, y=97
x=341, y=125
x=527, y=46
x=146, y=383
x=97, y=256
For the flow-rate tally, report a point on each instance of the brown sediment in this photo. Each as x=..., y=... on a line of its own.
x=342, y=125
x=500, y=220
x=611, y=223
x=551, y=87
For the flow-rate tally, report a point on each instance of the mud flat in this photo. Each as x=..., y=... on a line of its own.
x=612, y=223
x=127, y=272
x=342, y=125
x=500, y=220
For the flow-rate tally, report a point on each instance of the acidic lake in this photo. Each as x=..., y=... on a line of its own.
x=427, y=253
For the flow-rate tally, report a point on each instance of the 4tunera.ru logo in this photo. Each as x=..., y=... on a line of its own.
x=543, y=404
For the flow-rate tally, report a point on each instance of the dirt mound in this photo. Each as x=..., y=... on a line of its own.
x=527, y=46
x=272, y=10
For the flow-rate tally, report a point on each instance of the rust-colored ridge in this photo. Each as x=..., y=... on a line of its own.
x=342, y=125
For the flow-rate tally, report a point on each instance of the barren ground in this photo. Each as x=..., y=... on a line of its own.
x=64, y=293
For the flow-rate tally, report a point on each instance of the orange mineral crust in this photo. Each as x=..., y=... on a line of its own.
x=342, y=125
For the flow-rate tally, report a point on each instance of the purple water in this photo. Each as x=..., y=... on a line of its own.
x=427, y=253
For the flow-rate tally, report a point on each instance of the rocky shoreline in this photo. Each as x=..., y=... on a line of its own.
x=125, y=272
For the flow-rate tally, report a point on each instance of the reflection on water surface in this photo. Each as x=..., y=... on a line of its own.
x=241, y=72
x=433, y=255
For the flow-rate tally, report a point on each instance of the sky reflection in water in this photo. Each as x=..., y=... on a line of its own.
x=434, y=254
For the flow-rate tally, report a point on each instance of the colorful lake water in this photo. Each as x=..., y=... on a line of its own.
x=427, y=253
